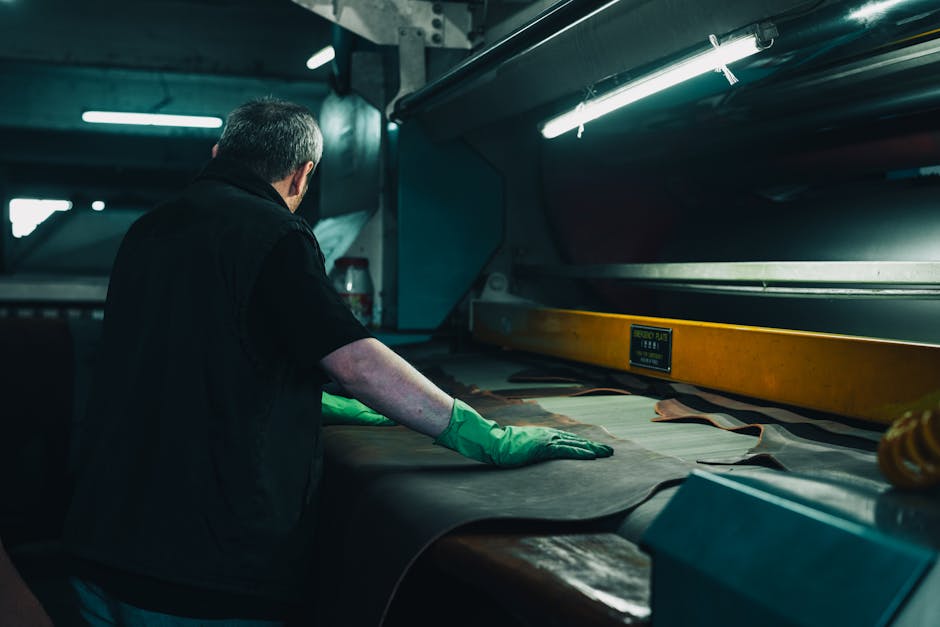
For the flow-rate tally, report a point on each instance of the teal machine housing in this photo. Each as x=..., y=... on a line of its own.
x=450, y=218
x=741, y=551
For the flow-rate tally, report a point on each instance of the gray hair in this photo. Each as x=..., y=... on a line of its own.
x=271, y=137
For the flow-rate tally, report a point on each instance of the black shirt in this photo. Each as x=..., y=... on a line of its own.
x=295, y=312
x=195, y=489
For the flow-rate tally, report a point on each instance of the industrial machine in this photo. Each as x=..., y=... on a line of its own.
x=703, y=231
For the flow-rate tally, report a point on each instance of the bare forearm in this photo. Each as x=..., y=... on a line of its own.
x=384, y=381
x=381, y=379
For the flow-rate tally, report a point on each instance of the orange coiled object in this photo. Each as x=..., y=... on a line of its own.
x=909, y=452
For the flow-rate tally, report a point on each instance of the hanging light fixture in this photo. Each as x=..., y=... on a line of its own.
x=716, y=58
x=151, y=119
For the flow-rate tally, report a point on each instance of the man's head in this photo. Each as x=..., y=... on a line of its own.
x=279, y=141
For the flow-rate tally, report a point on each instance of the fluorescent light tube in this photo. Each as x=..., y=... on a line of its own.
x=672, y=75
x=321, y=57
x=151, y=119
x=28, y=213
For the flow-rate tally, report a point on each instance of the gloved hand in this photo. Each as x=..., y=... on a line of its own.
x=473, y=436
x=339, y=410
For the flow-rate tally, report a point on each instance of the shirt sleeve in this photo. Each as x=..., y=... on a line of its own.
x=294, y=311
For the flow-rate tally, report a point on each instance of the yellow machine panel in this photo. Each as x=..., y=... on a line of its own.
x=866, y=378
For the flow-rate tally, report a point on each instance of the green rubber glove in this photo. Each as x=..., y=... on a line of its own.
x=473, y=436
x=339, y=410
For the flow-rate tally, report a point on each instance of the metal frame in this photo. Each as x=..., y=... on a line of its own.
x=92, y=290
x=542, y=27
x=412, y=64
x=823, y=279
x=412, y=25
x=445, y=24
x=864, y=378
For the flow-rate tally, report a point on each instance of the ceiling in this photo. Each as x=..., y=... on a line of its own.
x=803, y=70
x=829, y=89
x=59, y=58
x=199, y=57
x=246, y=38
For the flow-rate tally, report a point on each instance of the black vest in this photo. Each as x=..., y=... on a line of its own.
x=201, y=458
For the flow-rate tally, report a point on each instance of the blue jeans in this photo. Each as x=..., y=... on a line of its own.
x=100, y=610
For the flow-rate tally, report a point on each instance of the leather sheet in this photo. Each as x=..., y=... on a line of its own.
x=787, y=439
x=522, y=393
x=779, y=414
x=782, y=447
x=590, y=376
x=388, y=493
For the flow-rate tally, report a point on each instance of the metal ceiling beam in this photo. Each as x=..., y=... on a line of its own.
x=443, y=24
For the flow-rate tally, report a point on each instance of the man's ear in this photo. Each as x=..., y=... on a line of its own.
x=299, y=178
x=215, y=151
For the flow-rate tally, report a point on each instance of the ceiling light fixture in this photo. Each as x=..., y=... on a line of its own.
x=714, y=59
x=28, y=213
x=151, y=119
x=321, y=57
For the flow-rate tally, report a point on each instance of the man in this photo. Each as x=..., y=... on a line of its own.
x=202, y=457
